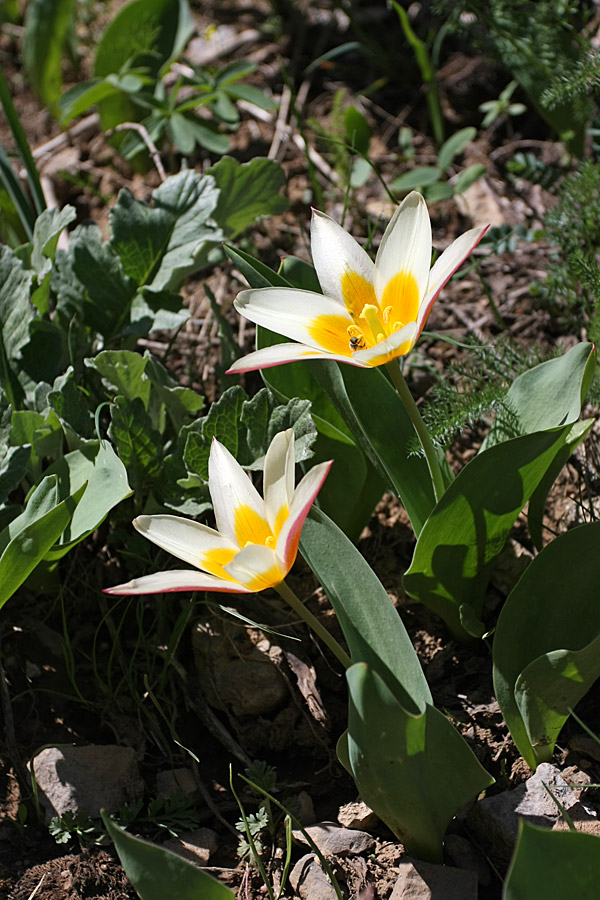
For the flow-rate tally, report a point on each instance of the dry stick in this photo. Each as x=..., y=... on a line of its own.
x=152, y=148
x=90, y=123
x=281, y=128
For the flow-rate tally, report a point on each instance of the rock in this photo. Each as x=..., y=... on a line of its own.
x=169, y=782
x=238, y=669
x=588, y=746
x=357, y=815
x=305, y=812
x=86, y=779
x=496, y=819
x=426, y=881
x=195, y=846
x=464, y=855
x=310, y=881
x=332, y=839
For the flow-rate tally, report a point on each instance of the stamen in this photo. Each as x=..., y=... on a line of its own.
x=270, y=541
x=386, y=314
x=370, y=315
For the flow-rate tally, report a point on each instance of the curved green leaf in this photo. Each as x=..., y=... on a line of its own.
x=553, y=865
x=157, y=873
x=415, y=772
x=372, y=627
x=47, y=23
x=547, y=640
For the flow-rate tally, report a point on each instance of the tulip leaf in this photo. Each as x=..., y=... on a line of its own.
x=466, y=531
x=552, y=865
x=29, y=537
x=377, y=418
x=373, y=629
x=414, y=771
x=546, y=650
x=547, y=396
x=47, y=24
x=157, y=873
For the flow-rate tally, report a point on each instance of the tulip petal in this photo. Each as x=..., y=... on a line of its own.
x=398, y=344
x=304, y=497
x=282, y=353
x=177, y=580
x=344, y=269
x=256, y=567
x=278, y=479
x=185, y=539
x=303, y=316
x=405, y=247
x=445, y=266
x=239, y=508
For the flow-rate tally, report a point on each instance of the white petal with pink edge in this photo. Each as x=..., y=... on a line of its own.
x=390, y=346
x=177, y=580
x=256, y=567
x=304, y=496
x=278, y=479
x=446, y=265
x=335, y=252
x=185, y=539
x=279, y=354
x=405, y=245
x=230, y=489
x=291, y=312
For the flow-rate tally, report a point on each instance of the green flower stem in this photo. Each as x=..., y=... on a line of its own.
x=401, y=386
x=289, y=596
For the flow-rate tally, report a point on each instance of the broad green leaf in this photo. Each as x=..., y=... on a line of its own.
x=441, y=190
x=381, y=427
x=79, y=98
x=139, y=445
x=248, y=192
x=191, y=199
x=42, y=432
x=251, y=94
x=71, y=406
x=415, y=771
x=30, y=544
x=547, y=396
x=124, y=371
x=264, y=418
x=13, y=465
x=47, y=229
x=468, y=177
x=181, y=403
x=47, y=23
x=155, y=311
x=358, y=131
x=419, y=177
x=547, y=641
x=465, y=533
x=373, y=629
x=553, y=865
x=257, y=274
x=97, y=472
x=352, y=488
x=454, y=146
x=16, y=313
x=300, y=380
x=43, y=498
x=140, y=236
x=157, y=873
x=189, y=130
x=145, y=34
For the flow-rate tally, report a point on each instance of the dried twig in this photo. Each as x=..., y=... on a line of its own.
x=152, y=148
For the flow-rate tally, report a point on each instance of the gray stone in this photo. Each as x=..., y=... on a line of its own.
x=496, y=819
x=169, y=782
x=305, y=812
x=332, y=839
x=426, y=881
x=86, y=779
x=195, y=846
x=310, y=881
x=357, y=815
x=464, y=855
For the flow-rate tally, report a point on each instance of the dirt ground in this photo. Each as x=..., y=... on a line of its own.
x=57, y=649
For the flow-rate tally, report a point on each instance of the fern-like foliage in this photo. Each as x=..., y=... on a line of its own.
x=475, y=386
x=542, y=36
x=571, y=289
